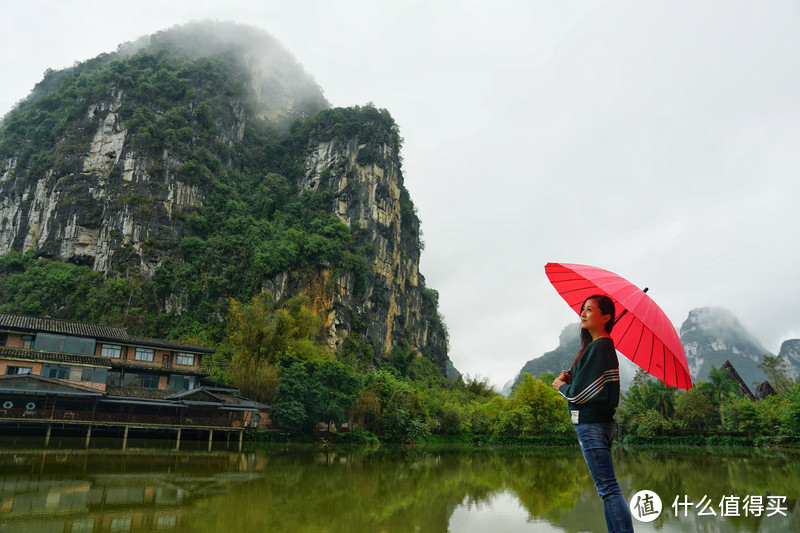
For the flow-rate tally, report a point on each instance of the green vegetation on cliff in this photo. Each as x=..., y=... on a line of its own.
x=253, y=222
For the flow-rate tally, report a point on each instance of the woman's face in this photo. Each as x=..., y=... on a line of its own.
x=592, y=319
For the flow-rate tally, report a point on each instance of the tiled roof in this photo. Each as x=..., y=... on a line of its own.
x=55, y=385
x=138, y=392
x=57, y=357
x=133, y=364
x=33, y=324
x=169, y=344
x=157, y=394
x=63, y=327
x=228, y=399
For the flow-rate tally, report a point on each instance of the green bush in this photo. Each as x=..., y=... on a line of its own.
x=265, y=436
x=729, y=441
x=689, y=440
x=532, y=441
x=359, y=437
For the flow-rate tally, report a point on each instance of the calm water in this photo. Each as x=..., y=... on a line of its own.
x=386, y=491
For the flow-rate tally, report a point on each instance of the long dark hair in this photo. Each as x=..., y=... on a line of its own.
x=606, y=306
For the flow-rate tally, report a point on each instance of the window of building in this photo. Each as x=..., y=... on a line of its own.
x=149, y=382
x=27, y=341
x=83, y=526
x=121, y=525
x=186, y=359
x=111, y=350
x=53, y=371
x=181, y=383
x=144, y=354
x=166, y=522
x=130, y=379
x=94, y=375
x=3, y=338
x=114, y=379
x=62, y=343
x=18, y=370
x=135, y=379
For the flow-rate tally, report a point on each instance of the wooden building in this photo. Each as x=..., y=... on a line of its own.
x=58, y=370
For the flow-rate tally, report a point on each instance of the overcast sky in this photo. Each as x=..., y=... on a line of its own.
x=659, y=140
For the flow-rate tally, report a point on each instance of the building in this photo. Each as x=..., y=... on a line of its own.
x=58, y=370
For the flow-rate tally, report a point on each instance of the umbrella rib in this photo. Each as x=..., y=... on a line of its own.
x=639, y=343
x=676, y=370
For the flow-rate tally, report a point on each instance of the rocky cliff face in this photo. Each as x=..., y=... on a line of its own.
x=112, y=203
x=115, y=209
x=365, y=178
x=790, y=350
x=113, y=189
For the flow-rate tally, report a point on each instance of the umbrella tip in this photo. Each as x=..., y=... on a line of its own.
x=646, y=289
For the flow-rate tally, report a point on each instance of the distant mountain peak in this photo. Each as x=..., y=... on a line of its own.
x=712, y=335
x=704, y=318
x=790, y=349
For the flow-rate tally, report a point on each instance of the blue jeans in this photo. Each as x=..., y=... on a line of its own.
x=595, y=441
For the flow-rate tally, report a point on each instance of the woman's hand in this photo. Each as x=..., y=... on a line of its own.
x=564, y=378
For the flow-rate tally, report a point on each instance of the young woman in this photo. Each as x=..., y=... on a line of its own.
x=591, y=388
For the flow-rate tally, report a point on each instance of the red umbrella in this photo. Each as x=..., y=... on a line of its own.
x=642, y=332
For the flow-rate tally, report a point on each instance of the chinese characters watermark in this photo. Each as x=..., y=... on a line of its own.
x=750, y=505
x=646, y=506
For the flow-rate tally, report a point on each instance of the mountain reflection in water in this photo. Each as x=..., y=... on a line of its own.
x=381, y=491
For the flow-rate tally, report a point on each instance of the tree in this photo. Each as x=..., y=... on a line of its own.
x=769, y=412
x=741, y=415
x=259, y=335
x=538, y=407
x=650, y=403
x=257, y=380
x=722, y=388
x=293, y=395
x=790, y=414
x=476, y=386
x=777, y=371
x=695, y=409
x=392, y=407
x=334, y=392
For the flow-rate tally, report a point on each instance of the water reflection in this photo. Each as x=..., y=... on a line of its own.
x=502, y=512
x=347, y=491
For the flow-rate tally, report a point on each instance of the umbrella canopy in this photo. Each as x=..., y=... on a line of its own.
x=642, y=332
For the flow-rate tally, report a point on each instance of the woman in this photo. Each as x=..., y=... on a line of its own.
x=592, y=389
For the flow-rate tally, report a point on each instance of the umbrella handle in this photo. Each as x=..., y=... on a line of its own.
x=625, y=311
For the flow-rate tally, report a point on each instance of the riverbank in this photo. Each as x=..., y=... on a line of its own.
x=366, y=439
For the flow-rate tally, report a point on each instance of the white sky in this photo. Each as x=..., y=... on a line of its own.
x=659, y=140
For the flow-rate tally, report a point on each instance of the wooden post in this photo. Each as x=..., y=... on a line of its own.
x=210, y=438
x=88, y=436
x=241, y=435
x=178, y=441
x=125, y=439
x=47, y=436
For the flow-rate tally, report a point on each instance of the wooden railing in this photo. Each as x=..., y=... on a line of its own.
x=218, y=420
